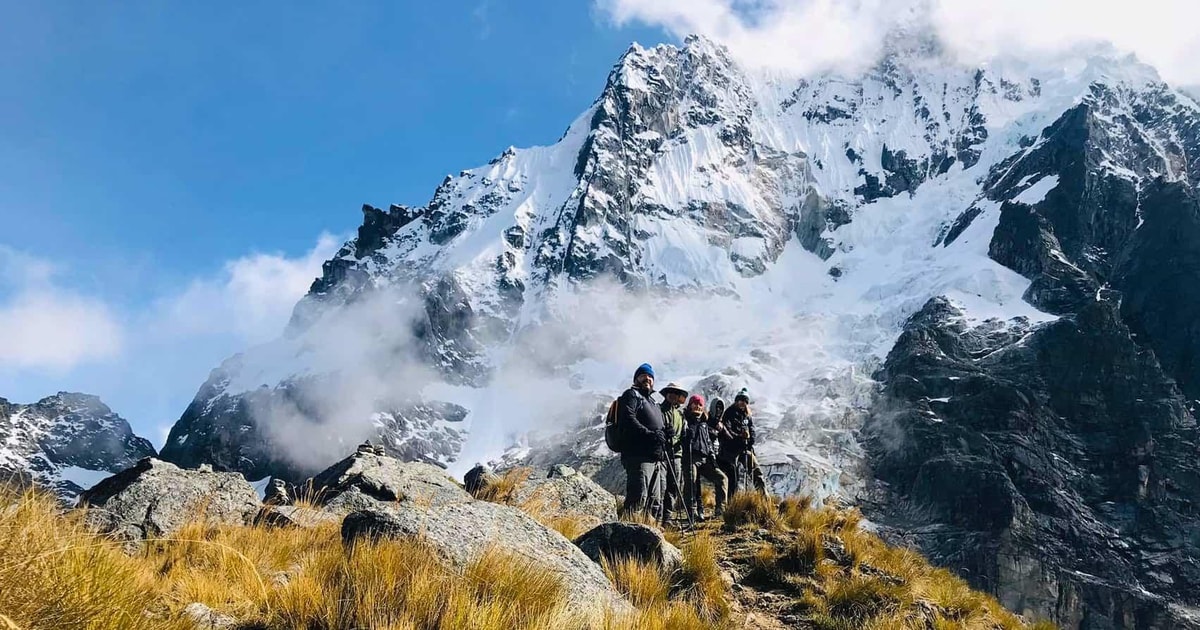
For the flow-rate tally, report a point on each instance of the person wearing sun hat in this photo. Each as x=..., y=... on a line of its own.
x=673, y=397
x=643, y=444
x=737, y=444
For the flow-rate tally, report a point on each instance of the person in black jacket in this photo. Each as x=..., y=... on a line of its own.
x=737, y=444
x=699, y=459
x=643, y=444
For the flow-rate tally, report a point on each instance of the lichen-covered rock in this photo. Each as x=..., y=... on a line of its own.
x=617, y=540
x=461, y=532
x=155, y=498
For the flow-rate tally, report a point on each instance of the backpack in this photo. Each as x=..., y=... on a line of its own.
x=612, y=433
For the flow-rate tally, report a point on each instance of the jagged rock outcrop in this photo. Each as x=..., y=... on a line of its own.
x=156, y=498
x=66, y=442
x=615, y=541
x=1055, y=464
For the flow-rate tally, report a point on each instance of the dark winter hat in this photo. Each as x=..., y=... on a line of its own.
x=644, y=369
x=744, y=394
x=672, y=388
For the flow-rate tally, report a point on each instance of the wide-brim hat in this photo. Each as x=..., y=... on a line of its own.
x=672, y=387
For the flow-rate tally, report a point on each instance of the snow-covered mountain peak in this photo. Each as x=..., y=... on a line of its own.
x=836, y=203
x=66, y=442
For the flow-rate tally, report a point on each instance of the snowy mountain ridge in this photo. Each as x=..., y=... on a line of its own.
x=66, y=442
x=691, y=175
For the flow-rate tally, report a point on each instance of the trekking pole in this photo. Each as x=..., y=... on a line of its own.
x=746, y=482
x=679, y=493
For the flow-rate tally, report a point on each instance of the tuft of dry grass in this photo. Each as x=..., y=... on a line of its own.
x=54, y=574
x=501, y=490
x=697, y=600
x=701, y=583
x=571, y=527
x=846, y=578
x=752, y=508
x=643, y=583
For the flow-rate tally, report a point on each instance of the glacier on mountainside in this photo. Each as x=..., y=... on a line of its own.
x=734, y=227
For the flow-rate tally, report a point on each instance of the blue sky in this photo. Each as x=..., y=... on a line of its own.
x=169, y=169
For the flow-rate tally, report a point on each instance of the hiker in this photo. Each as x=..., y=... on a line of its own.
x=643, y=444
x=672, y=410
x=737, y=444
x=699, y=459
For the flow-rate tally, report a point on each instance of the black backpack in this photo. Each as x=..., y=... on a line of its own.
x=612, y=433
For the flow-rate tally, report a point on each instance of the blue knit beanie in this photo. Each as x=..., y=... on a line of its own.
x=644, y=369
x=742, y=395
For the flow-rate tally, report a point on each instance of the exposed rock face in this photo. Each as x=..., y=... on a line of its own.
x=616, y=540
x=225, y=431
x=464, y=531
x=155, y=498
x=364, y=480
x=66, y=442
x=563, y=492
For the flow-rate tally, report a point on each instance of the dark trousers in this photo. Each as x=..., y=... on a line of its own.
x=730, y=468
x=672, y=486
x=693, y=469
x=643, y=487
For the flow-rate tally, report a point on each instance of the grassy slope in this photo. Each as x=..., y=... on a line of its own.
x=795, y=567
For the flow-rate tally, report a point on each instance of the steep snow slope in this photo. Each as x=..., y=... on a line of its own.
x=66, y=442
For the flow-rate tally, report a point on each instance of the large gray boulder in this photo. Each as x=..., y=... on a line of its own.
x=154, y=499
x=565, y=493
x=618, y=540
x=365, y=480
x=461, y=532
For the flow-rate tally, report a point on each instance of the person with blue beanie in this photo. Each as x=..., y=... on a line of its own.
x=643, y=444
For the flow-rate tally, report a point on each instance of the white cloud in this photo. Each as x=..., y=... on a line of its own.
x=815, y=35
x=44, y=326
x=251, y=299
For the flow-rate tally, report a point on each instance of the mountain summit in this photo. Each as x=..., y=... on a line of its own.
x=964, y=297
